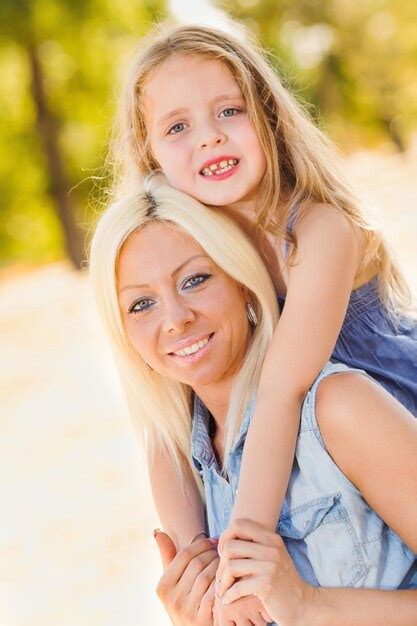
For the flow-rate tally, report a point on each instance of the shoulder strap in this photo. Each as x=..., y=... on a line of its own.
x=290, y=224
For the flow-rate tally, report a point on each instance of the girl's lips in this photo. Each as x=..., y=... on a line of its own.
x=196, y=356
x=222, y=176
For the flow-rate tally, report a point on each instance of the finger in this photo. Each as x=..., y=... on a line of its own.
x=244, y=587
x=167, y=548
x=225, y=582
x=195, y=567
x=236, y=568
x=250, y=531
x=178, y=565
x=237, y=548
x=205, y=609
x=203, y=582
x=221, y=616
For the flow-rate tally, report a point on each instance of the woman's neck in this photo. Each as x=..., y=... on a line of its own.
x=216, y=397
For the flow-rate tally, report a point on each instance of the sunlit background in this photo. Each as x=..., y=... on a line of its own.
x=76, y=545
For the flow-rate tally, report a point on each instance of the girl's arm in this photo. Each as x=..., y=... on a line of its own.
x=181, y=515
x=318, y=291
x=362, y=607
x=261, y=561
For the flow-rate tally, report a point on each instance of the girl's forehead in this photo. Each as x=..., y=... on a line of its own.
x=184, y=82
x=183, y=73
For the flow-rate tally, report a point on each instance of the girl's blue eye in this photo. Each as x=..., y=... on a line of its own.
x=140, y=305
x=177, y=128
x=195, y=280
x=230, y=112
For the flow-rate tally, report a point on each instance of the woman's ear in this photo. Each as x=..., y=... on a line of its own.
x=245, y=292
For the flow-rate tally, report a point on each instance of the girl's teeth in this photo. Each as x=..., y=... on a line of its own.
x=219, y=168
x=193, y=348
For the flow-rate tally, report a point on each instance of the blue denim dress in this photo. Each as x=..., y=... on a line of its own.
x=333, y=536
x=369, y=340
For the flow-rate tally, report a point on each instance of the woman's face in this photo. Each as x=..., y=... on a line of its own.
x=184, y=315
x=200, y=132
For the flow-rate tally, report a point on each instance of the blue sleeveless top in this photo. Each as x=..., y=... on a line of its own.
x=333, y=536
x=369, y=340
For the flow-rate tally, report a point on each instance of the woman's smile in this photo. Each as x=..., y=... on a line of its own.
x=195, y=351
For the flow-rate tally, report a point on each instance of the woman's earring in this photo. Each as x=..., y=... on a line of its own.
x=250, y=312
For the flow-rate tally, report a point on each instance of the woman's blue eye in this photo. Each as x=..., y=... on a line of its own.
x=229, y=112
x=140, y=305
x=195, y=280
x=177, y=128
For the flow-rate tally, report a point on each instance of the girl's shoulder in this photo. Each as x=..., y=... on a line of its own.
x=311, y=216
x=320, y=224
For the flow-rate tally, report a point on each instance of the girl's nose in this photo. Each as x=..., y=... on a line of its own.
x=177, y=316
x=211, y=137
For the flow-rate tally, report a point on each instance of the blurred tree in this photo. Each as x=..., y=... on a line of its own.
x=59, y=58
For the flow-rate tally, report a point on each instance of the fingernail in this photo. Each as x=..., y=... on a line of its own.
x=157, y=530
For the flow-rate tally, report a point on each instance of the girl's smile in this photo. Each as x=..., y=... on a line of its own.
x=200, y=132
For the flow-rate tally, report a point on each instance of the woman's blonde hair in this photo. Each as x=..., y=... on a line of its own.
x=300, y=158
x=161, y=408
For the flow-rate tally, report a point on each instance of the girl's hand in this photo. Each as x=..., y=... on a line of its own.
x=243, y=612
x=260, y=560
x=186, y=587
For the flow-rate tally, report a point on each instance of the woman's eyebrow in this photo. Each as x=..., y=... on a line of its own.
x=181, y=110
x=178, y=269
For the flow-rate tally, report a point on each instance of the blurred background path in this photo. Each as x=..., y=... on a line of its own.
x=76, y=544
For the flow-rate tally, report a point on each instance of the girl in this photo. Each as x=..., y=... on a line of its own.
x=208, y=109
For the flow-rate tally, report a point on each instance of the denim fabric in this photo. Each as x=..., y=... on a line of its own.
x=333, y=536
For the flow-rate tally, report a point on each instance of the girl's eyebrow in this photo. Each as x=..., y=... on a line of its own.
x=181, y=110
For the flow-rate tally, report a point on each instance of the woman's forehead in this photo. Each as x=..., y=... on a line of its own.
x=158, y=248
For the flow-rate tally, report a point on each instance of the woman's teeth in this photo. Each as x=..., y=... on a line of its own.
x=195, y=347
x=219, y=168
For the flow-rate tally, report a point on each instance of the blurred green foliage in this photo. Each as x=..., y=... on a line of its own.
x=355, y=62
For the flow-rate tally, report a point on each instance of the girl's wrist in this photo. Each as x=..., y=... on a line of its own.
x=314, y=610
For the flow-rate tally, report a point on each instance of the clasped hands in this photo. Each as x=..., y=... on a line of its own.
x=258, y=581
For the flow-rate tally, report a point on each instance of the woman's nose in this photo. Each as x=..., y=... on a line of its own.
x=177, y=316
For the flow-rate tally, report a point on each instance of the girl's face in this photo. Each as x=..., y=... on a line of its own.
x=200, y=132
x=184, y=315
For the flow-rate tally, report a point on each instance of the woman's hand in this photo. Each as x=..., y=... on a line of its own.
x=260, y=560
x=243, y=612
x=186, y=588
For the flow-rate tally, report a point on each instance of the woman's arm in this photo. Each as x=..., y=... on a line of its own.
x=381, y=458
x=319, y=287
x=181, y=515
x=259, y=558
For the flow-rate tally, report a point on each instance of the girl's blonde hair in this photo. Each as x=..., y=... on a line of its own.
x=300, y=159
x=161, y=408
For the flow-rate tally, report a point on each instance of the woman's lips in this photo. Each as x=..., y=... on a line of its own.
x=196, y=356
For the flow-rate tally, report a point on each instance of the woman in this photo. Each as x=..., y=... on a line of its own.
x=190, y=310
